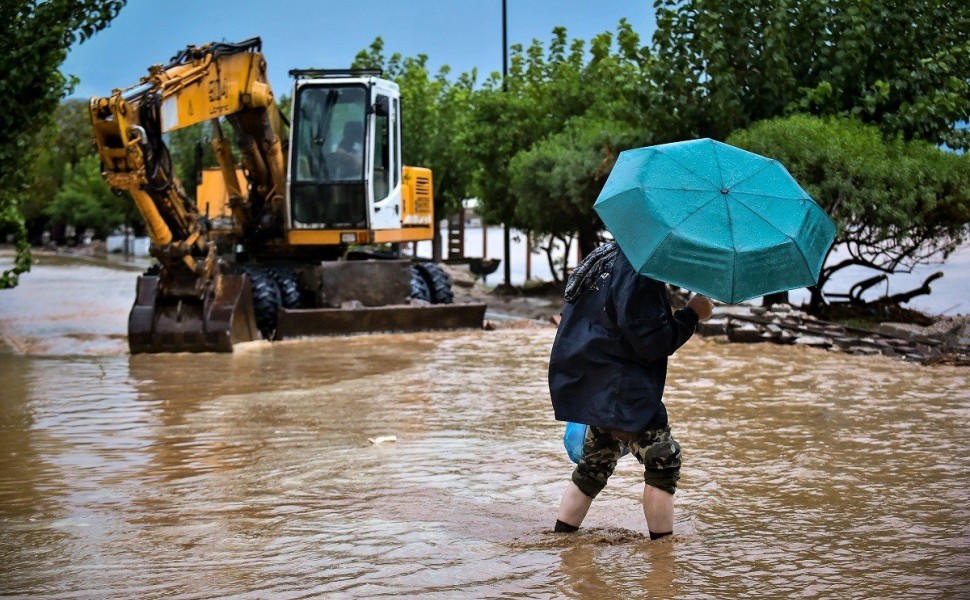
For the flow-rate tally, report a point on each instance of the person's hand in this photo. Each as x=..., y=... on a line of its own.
x=701, y=305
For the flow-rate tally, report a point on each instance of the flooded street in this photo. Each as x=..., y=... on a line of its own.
x=807, y=473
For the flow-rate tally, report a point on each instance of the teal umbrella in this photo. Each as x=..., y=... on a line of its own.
x=714, y=219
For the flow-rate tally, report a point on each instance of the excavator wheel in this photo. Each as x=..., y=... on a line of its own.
x=266, y=300
x=290, y=294
x=439, y=283
x=419, y=287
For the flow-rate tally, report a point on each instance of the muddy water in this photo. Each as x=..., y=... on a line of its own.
x=250, y=475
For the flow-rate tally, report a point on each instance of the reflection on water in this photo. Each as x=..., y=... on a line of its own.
x=806, y=473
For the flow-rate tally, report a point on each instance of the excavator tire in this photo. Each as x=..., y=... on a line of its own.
x=439, y=283
x=419, y=287
x=290, y=294
x=266, y=300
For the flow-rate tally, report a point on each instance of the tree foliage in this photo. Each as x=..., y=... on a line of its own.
x=724, y=64
x=897, y=203
x=85, y=200
x=545, y=143
x=540, y=143
x=540, y=93
x=902, y=67
x=63, y=142
x=34, y=39
x=556, y=178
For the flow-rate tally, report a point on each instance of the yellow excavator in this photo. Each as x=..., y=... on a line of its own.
x=282, y=242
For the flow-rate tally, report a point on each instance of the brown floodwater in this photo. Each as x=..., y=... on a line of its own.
x=807, y=473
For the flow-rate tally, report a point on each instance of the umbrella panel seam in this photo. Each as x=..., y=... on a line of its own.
x=695, y=211
x=773, y=226
x=775, y=196
x=720, y=172
x=734, y=246
x=750, y=175
x=681, y=189
x=686, y=168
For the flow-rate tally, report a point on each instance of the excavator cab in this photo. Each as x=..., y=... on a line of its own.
x=345, y=173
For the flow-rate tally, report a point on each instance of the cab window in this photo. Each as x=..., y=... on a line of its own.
x=330, y=134
x=382, y=149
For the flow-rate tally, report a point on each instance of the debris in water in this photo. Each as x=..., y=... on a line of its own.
x=382, y=439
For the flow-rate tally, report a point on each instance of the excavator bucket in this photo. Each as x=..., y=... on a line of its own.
x=224, y=318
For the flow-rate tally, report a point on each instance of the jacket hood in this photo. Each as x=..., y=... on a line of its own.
x=594, y=268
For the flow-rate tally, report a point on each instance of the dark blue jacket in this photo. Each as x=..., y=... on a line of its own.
x=609, y=360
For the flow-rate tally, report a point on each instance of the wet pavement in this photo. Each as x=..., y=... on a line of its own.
x=807, y=473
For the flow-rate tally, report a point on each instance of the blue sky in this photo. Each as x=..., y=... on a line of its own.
x=328, y=34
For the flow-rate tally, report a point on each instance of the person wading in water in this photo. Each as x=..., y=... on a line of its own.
x=607, y=370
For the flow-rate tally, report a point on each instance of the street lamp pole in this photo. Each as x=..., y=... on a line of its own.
x=505, y=44
x=505, y=74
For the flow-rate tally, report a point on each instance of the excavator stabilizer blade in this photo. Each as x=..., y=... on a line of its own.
x=224, y=318
x=340, y=321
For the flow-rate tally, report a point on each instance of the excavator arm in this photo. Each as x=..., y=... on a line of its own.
x=206, y=83
x=200, y=84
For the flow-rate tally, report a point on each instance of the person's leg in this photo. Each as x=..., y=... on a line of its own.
x=659, y=453
x=572, y=509
x=600, y=453
x=658, y=510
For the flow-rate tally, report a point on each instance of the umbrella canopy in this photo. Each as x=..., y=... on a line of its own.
x=714, y=219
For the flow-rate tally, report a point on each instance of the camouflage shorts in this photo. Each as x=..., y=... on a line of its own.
x=656, y=449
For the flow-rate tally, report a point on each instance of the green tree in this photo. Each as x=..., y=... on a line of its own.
x=897, y=203
x=562, y=118
x=558, y=178
x=541, y=92
x=85, y=200
x=724, y=64
x=496, y=133
x=66, y=139
x=35, y=36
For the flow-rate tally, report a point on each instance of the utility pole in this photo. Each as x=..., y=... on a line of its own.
x=505, y=74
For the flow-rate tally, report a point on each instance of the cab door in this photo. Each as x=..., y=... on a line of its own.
x=384, y=164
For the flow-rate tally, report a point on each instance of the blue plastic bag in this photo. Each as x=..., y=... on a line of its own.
x=573, y=439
